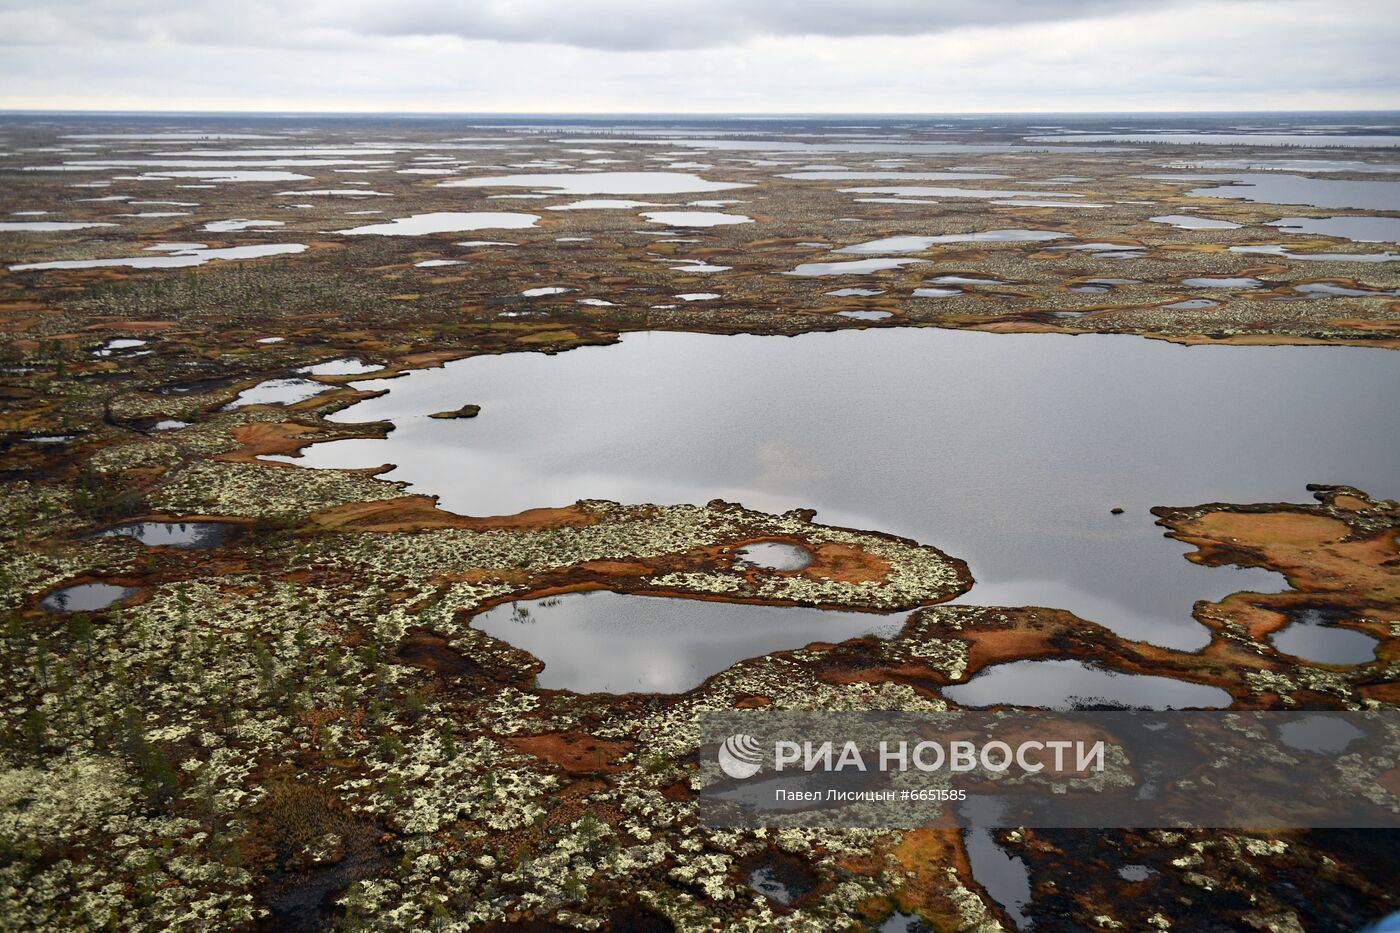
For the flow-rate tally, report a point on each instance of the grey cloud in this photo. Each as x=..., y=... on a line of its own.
x=609, y=25
x=705, y=55
x=627, y=25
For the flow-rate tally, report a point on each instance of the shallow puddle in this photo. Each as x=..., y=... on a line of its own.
x=607, y=642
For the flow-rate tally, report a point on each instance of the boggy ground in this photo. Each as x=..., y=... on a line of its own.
x=300, y=729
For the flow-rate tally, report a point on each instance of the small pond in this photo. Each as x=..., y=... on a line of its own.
x=1192, y=222
x=912, y=244
x=1311, y=636
x=850, y=267
x=600, y=183
x=695, y=218
x=608, y=642
x=773, y=555
x=446, y=222
x=278, y=392
x=1223, y=282
x=86, y=597
x=190, y=535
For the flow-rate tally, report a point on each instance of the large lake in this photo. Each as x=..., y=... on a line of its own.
x=1005, y=450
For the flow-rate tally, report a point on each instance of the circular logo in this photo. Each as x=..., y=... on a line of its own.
x=740, y=756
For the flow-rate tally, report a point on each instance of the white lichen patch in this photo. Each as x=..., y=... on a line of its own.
x=253, y=490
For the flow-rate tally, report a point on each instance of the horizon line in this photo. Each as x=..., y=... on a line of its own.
x=754, y=114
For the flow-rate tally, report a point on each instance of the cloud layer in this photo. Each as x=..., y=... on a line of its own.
x=611, y=25
x=716, y=56
x=627, y=25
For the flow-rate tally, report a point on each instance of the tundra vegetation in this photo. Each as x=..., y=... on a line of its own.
x=297, y=727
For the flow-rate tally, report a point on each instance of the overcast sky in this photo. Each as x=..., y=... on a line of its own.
x=774, y=56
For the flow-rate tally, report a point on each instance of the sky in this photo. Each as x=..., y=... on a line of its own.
x=700, y=56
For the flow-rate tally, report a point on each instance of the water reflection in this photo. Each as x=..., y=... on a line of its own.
x=611, y=643
x=1005, y=450
x=1064, y=684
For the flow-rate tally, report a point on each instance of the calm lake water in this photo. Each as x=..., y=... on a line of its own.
x=1059, y=683
x=1279, y=188
x=1005, y=450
